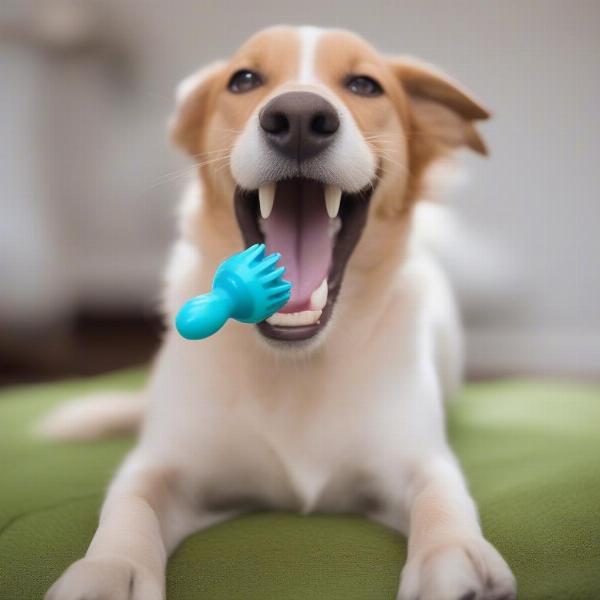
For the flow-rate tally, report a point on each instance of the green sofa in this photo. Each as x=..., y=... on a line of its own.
x=531, y=451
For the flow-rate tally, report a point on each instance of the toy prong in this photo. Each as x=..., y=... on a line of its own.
x=268, y=262
x=283, y=288
x=273, y=275
x=254, y=253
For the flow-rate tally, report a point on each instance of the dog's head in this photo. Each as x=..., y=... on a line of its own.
x=313, y=140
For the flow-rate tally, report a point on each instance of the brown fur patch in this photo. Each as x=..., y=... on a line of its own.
x=441, y=117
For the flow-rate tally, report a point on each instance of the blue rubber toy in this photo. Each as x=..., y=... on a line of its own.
x=247, y=287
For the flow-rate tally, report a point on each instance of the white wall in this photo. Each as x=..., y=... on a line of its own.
x=536, y=64
x=29, y=232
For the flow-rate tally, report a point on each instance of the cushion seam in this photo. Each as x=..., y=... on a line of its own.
x=19, y=517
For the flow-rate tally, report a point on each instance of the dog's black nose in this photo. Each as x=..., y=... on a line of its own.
x=299, y=124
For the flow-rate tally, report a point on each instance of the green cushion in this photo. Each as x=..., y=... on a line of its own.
x=531, y=451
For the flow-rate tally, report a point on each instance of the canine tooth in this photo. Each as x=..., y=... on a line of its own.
x=297, y=319
x=318, y=298
x=333, y=197
x=266, y=197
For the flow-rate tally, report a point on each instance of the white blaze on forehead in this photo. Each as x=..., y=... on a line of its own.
x=309, y=38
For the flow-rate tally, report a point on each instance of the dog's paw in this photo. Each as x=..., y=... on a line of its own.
x=106, y=579
x=465, y=570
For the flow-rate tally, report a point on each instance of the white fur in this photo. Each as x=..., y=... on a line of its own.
x=94, y=417
x=358, y=417
x=309, y=38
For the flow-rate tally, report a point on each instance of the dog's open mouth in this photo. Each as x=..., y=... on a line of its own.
x=315, y=227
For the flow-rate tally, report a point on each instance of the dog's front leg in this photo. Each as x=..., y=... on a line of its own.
x=143, y=518
x=448, y=557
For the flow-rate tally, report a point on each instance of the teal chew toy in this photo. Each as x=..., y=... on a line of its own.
x=247, y=287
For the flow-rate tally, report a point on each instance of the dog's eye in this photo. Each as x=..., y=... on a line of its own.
x=244, y=81
x=362, y=85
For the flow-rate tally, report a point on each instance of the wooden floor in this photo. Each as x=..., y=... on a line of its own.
x=87, y=345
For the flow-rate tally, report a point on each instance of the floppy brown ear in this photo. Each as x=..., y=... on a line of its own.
x=442, y=112
x=192, y=106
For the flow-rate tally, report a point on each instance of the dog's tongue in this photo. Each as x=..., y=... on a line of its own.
x=298, y=228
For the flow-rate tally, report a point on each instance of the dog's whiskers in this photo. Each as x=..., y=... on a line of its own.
x=183, y=172
x=211, y=152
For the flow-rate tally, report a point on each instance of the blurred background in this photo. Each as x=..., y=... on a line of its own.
x=89, y=183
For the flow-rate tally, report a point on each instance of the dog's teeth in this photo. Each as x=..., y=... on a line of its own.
x=266, y=197
x=318, y=299
x=333, y=197
x=297, y=319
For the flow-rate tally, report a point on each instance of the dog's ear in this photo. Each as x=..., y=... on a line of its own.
x=192, y=104
x=442, y=113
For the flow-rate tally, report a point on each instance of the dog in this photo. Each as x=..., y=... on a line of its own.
x=313, y=142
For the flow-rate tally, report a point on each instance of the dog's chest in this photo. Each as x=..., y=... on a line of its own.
x=267, y=475
x=295, y=459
